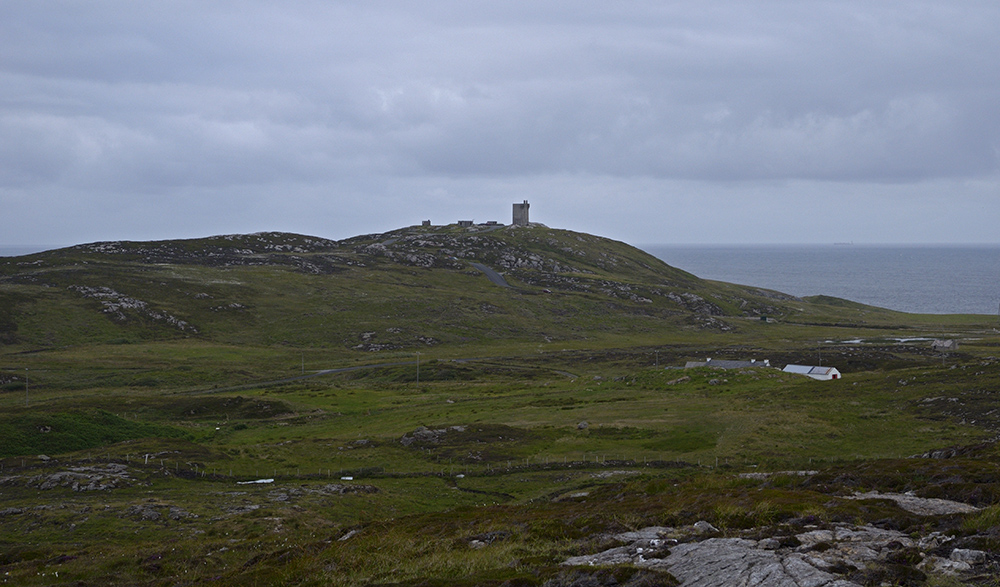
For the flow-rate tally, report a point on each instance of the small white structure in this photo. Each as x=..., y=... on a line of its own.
x=821, y=373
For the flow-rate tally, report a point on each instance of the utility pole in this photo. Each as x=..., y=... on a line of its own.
x=418, y=368
x=25, y=387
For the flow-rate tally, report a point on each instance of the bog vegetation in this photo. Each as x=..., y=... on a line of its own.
x=280, y=409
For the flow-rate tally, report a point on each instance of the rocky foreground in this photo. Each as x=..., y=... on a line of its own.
x=808, y=553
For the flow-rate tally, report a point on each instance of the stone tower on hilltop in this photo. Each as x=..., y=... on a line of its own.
x=521, y=214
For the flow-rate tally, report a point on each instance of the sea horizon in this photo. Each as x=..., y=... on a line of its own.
x=914, y=278
x=21, y=250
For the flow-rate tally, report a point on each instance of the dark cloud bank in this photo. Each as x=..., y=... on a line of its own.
x=646, y=121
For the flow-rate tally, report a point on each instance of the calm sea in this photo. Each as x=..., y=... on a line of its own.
x=17, y=250
x=938, y=279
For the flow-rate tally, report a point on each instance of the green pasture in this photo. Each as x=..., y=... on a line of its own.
x=340, y=414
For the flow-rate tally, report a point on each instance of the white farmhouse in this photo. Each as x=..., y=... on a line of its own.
x=822, y=373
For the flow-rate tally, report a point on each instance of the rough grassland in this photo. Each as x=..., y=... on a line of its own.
x=535, y=421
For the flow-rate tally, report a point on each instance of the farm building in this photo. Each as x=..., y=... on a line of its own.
x=822, y=373
x=944, y=346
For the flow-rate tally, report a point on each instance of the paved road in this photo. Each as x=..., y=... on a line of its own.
x=492, y=275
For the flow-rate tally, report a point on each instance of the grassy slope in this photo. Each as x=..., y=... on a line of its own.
x=660, y=446
x=417, y=290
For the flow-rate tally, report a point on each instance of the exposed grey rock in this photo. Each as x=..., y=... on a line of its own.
x=152, y=512
x=176, y=513
x=814, y=537
x=817, y=558
x=649, y=533
x=722, y=562
x=853, y=546
x=922, y=506
x=10, y=480
x=285, y=494
x=936, y=564
x=973, y=557
x=424, y=435
x=778, y=473
x=92, y=478
x=145, y=512
x=932, y=541
x=615, y=556
x=242, y=509
x=350, y=534
x=119, y=306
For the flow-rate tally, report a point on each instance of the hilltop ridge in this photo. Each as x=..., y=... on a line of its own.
x=406, y=288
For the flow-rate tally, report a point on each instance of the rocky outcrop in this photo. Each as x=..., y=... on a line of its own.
x=695, y=303
x=838, y=556
x=720, y=562
x=285, y=494
x=93, y=478
x=424, y=435
x=264, y=248
x=120, y=307
x=922, y=506
x=153, y=512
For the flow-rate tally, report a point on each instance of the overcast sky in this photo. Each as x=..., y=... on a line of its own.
x=773, y=121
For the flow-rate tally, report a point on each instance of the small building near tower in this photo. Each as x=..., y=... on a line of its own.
x=520, y=214
x=821, y=373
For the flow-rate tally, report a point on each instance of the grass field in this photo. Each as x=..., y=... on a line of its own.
x=513, y=444
x=468, y=435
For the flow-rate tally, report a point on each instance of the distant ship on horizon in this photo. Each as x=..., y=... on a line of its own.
x=843, y=244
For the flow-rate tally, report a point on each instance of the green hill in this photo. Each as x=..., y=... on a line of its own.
x=408, y=289
x=469, y=406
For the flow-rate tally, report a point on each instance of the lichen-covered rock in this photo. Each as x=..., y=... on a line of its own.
x=424, y=435
x=922, y=506
x=92, y=478
x=120, y=307
x=839, y=556
x=722, y=562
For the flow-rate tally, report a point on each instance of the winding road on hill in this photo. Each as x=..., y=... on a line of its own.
x=492, y=275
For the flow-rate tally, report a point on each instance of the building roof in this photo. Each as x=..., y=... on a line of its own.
x=809, y=370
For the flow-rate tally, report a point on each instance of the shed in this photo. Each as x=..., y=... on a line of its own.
x=821, y=373
x=944, y=346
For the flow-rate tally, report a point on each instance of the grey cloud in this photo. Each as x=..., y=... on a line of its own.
x=111, y=98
